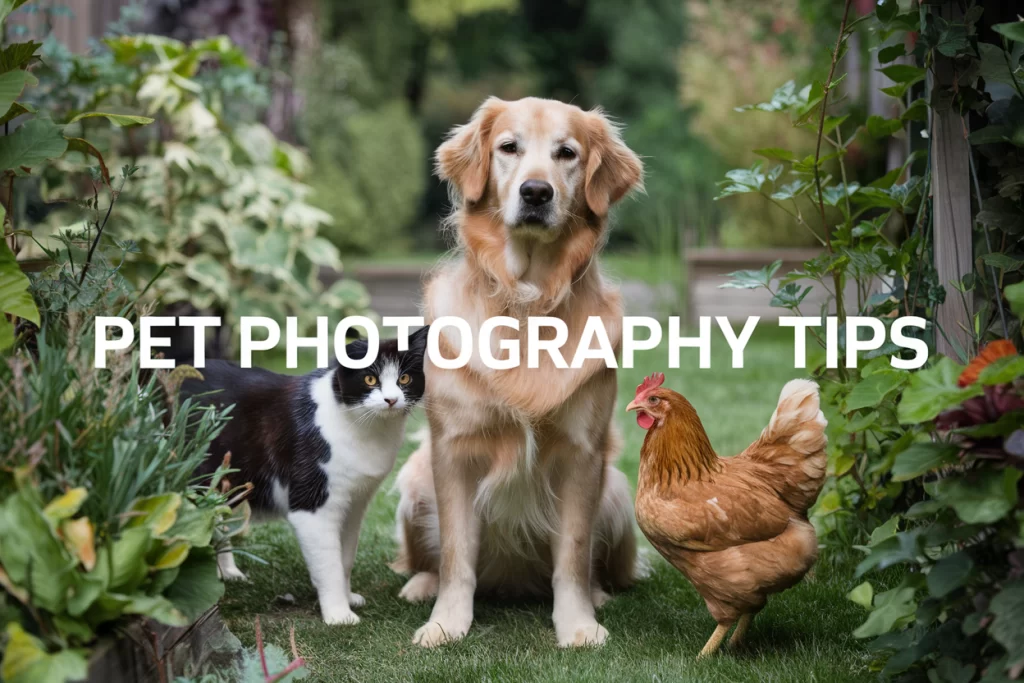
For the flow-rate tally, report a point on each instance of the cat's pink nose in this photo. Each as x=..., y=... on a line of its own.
x=391, y=401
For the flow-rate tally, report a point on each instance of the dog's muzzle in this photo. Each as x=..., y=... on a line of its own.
x=535, y=206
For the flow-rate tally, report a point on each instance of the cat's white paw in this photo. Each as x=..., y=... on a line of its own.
x=586, y=634
x=420, y=588
x=228, y=570
x=355, y=600
x=339, y=616
x=434, y=633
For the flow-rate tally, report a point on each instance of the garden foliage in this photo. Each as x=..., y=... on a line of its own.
x=101, y=517
x=926, y=466
x=217, y=201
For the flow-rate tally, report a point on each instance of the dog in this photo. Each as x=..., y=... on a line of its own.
x=515, y=491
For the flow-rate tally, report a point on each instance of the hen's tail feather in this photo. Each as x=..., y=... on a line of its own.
x=795, y=441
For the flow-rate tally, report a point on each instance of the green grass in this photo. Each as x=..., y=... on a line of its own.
x=656, y=628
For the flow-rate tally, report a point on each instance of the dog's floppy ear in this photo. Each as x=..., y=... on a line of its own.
x=612, y=168
x=464, y=159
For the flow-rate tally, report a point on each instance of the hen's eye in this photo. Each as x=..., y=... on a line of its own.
x=653, y=400
x=404, y=379
x=509, y=147
x=370, y=380
x=566, y=153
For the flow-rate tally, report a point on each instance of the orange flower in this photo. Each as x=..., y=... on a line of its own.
x=993, y=351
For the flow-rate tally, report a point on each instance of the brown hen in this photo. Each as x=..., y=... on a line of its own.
x=736, y=527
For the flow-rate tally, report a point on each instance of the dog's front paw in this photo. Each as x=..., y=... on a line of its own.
x=339, y=615
x=434, y=633
x=355, y=600
x=586, y=634
x=420, y=588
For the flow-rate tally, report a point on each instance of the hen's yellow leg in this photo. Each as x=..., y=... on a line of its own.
x=741, y=630
x=715, y=641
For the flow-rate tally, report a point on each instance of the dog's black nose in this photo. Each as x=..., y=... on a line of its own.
x=536, y=192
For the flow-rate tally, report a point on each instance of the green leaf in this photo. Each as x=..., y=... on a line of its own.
x=198, y=586
x=904, y=73
x=891, y=52
x=921, y=458
x=862, y=595
x=156, y=513
x=1002, y=261
x=1002, y=370
x=66, y=505
x=978, y=496
x=933, y=390
x=33, y=143
x=127, y=558
x=15, y=297
x=11, y=85
x=872, y=390
x=1008, y=625
x=210, y=273
x=776, y=153
x=85, y=147
x=892, y=609
x=949, y=573
x=882, y=127
x=1013, y=30
x=157, y=607
x=119, y=120
x=752, y=279
x=885, y=531
x=1015, y=295
x=17, y=55
x=17, y=109
x=27, y=661
x=790, y=296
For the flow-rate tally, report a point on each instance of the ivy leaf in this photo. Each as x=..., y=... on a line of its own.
x=30, y=145
x=198, y=586
x=1002, y=370
x=979, y=497
x=949, y=573
x=887, y=10
x=933, y=390
x=888, y=54
x=17, y=55
x=1013, y=30
x=904, y=74
x=917, y=111
x=921, y=458
x=1002, y=261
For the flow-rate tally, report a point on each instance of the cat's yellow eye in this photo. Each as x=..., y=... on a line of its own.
x=404, y=379
x=370, y=380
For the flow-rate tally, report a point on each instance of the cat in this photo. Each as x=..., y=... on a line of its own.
x=315, y=448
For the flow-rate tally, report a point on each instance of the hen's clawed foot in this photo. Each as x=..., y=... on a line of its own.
x=740, y=634
x=715, y=641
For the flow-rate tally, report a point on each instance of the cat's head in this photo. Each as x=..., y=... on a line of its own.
x=392, y=385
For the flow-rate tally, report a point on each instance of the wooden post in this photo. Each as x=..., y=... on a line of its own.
x=951, y=198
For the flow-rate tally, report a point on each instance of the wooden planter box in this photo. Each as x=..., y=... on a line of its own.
x=707, y=270
x=204, y=646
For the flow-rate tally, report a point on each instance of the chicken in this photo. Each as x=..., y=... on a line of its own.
x=736, y=527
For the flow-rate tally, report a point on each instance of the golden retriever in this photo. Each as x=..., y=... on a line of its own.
x=515, y=492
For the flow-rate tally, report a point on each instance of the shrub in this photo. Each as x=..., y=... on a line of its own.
x=928, y=461
x=220, y=206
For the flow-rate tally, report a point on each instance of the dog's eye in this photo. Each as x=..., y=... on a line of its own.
x=370, y=380
x=404, y=379
x=509, y=147
x=566, y=153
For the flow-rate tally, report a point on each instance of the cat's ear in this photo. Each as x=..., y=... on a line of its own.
x=357, y=349
x=418, y=341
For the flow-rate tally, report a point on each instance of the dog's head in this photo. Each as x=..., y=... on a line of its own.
x=536, y=164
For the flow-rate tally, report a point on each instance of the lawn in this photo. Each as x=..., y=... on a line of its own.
x=656, y=628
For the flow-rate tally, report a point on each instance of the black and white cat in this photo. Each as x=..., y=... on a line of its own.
x=316, y=448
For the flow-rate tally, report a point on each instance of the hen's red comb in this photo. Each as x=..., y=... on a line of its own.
x=652, y=382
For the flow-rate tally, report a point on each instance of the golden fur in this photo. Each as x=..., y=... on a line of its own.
x=515, y=490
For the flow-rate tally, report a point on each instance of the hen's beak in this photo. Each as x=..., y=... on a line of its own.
x=633, y=405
